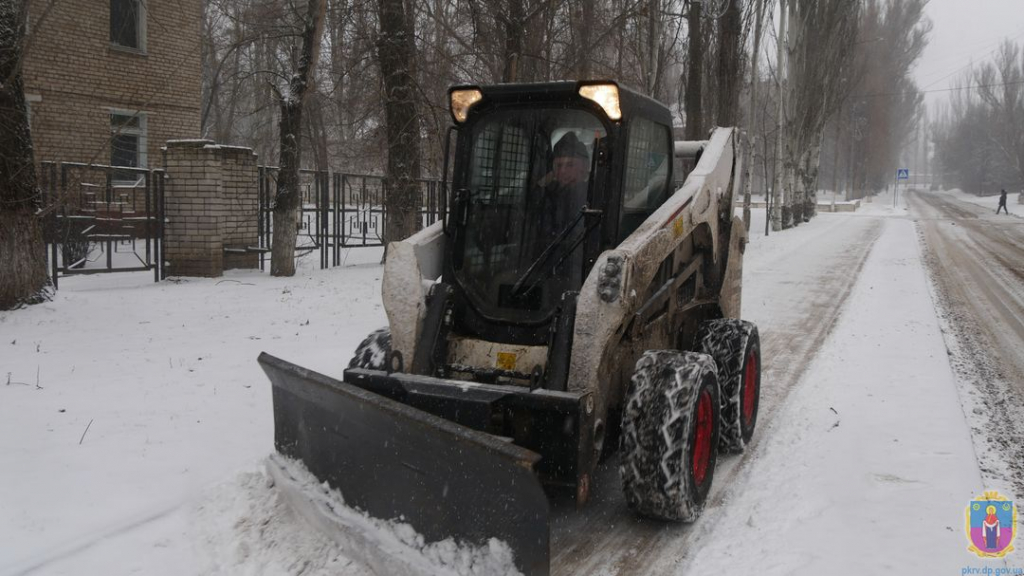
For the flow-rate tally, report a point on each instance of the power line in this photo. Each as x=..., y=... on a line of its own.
x=997, y=45
x=912, y=92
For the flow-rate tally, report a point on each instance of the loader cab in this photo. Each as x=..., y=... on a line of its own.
x=546, y=177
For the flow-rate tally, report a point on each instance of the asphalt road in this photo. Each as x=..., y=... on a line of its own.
x=976, y=260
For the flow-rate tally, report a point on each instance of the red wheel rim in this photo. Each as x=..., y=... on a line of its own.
x=702, y=445
x=749, y=389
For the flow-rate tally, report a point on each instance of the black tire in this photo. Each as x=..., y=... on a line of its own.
x=372, y=353
x=669, y=433
x=736, y=348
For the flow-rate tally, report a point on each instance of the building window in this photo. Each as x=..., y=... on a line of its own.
x=127, y=24
x=29, y=100
x=127, y=143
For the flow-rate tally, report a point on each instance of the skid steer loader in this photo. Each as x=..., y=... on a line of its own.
x=573, y=301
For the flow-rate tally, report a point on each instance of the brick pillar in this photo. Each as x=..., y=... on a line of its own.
x=193, y=207
x=211, y=204
x=240, y=190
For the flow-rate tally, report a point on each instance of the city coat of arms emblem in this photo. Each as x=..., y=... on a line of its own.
x=991, y=525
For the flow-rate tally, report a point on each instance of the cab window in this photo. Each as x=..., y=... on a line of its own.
x=648, y=163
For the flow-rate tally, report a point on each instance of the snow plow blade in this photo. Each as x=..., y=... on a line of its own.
x=396, y=462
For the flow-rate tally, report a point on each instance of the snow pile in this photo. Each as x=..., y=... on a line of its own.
x=387, y=546
x=245, y=527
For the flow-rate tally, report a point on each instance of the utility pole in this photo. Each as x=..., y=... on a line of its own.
x=780, y=121
x=895, y=187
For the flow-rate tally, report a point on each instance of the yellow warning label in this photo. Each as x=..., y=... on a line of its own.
x=506, y=361
x=677, y=227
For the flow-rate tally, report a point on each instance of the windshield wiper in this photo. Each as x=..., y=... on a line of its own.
x=518, y=287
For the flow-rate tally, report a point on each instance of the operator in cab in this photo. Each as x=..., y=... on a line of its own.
x=563, y=190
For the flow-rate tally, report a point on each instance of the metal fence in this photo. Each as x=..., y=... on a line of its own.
x=339, y=211
x=103, y=218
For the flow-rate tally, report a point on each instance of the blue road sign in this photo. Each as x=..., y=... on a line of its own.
x=903, y=174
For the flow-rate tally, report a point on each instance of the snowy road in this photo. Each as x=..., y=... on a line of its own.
x=977, y=260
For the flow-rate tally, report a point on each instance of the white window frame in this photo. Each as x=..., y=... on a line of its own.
x=141, y=31
x=29, y=99
x=142, y=131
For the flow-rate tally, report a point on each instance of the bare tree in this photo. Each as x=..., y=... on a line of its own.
x=815, y=50
x=729, y=63
x=1001, y=89
x=694, y=73
x=641, y=43
x=781, y=43
x=292, y=98
x=885, y=100
x=396, y=52
x=979, y=133
x=23, y=279
x=822, y=51
x=752, y=113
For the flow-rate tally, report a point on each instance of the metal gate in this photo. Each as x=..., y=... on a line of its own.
x=103, y=218
x=339, y=211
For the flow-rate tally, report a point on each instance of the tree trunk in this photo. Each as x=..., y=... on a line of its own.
x=287, y=199
x=777, y=203
x=794, y=66
x=811, y=182
x=799, y=203
x=514, y=40
x=694, y=84
x=752, y=121
x=581, y=67
x=23, y=278
x=396, y=52
x=339, y=71
x=729, y=64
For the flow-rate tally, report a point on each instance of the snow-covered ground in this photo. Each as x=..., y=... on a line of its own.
x=990, y=202
x=870, y=464
x=125, y=403
x=135, y=421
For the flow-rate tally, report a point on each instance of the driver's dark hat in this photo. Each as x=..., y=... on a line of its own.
x=569, y=146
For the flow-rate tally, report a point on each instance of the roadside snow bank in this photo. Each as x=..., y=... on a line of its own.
x=387, y=547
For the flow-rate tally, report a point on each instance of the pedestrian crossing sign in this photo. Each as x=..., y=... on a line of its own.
x=903, y=174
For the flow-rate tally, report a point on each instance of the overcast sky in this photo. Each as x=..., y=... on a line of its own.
x=965, y=30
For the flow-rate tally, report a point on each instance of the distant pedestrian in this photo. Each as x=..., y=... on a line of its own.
x=1002, y=202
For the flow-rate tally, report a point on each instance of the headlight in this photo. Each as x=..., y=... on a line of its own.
x=606, y=96
x=462, y=100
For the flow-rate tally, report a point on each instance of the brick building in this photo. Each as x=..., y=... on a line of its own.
x=110, y=81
